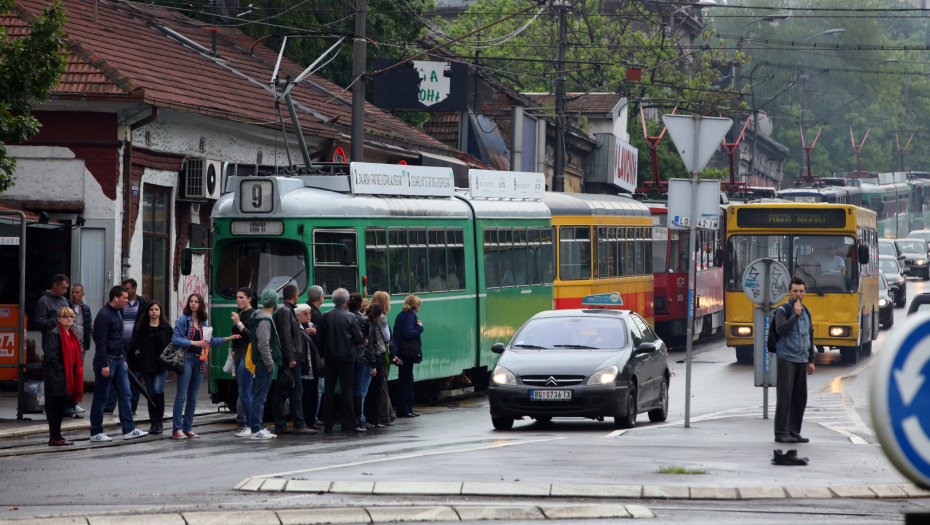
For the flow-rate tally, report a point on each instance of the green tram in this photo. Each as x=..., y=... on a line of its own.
x=889, y=196
x=920, y=200
x=316, y=230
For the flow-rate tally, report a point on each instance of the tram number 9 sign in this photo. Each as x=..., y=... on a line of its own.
x=256, y=196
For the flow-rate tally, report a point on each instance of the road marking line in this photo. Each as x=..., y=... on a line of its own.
x=407, y=456
x=615, y=433
x=856, y=440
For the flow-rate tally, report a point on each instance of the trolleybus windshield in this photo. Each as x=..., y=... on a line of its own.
x=827, y=263
x=260, y=265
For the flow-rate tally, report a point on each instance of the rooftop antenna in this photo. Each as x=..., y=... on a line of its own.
x=286, y=86
x=859, y=147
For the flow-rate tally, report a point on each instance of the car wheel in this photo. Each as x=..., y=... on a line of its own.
x=927, y=276
x=850, y=354
x=659, y=415
x=745, y=354
x=502, y=423
x=629, y=420
x=889, y=321
x=543, y=420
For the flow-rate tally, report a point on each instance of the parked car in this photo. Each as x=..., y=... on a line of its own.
x=889, y=248
x=915, y=256
x=593, y=363
x=885, y=302
x=920, y=303
x=889, y=267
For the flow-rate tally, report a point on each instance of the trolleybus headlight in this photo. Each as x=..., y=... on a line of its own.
x=502, y=376
x=883, y=302
x=604, y=376
x=741, y=331
x=839, y=331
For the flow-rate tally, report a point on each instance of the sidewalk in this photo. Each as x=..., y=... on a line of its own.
x=36, y=423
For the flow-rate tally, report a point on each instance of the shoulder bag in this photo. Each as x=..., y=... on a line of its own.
x=173, y=358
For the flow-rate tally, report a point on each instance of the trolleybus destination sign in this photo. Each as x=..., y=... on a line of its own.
x=395, y=179
x=506, y=184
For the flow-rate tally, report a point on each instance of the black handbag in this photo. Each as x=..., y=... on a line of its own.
x=411, y=349
x=286, y=378
x=173, y=358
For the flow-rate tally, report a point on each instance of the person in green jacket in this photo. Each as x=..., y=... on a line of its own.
x=266, y=354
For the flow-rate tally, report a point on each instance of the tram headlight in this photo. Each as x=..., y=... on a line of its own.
x=839, y=331
x=741, y=331
x=502, y=376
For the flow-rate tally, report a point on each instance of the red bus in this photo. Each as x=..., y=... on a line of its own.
x=670, y=270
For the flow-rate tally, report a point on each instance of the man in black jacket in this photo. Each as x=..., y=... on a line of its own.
x=46, y=312
x=288, y=328
x=315, y=300
x=341, y=335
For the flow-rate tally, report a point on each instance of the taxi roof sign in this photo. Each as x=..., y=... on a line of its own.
x=603, y=300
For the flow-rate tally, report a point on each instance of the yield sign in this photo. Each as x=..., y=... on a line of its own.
x=696, y=138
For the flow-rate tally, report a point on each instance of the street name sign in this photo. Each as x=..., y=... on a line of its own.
x=900, y=401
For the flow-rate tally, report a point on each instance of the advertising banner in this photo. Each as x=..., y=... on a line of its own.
x=506, y=184
x=395, y=179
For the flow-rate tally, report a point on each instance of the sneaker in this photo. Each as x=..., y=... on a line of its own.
x=100, y=438
x=78, y=409
x=263, y=434
x=244, y=433
x=192, y=435
x=240, y=428
x=178, y=435
x=135, y=434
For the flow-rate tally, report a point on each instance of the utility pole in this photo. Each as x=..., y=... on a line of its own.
x=358, y=87
x=558, y=178
x=213, y=21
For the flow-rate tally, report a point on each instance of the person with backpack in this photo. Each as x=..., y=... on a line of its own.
x=794, y=349
x=266, y=355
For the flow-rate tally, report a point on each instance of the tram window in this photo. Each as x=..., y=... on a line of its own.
x=647, y=238
x=260, y=265
x=621, y=252
x=603, y=255
x=630, y=253
x=437, y=260
x=419, y=266
x=575, y=253
x=612, y=252
x=335, y=260
x=398, y=261
x=376, y=260
x=505, y=252
x=534, y=276
x=660, y=245
x=547, y=261
x=520, y=260
x=674, y=251
x=492, y=276
x=640, y=251
x=455, y=253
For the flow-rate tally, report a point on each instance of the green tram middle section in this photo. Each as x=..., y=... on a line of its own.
x=334, y=239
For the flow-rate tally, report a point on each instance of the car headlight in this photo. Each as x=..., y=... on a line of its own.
x=883, y=302
x=502, y=376
x=920, y=262
x=839, y=331
x=741, y=331
x=604, y=376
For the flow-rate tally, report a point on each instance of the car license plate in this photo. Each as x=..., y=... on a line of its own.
x=550, y=395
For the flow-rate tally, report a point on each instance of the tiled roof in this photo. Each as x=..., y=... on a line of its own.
x=444, y=127
x=584, y=103
x=124, y=56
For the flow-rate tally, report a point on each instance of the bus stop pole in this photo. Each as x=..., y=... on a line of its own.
x=21, y=350
x=692, y=242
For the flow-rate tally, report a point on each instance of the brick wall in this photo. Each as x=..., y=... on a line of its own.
x=141, y=159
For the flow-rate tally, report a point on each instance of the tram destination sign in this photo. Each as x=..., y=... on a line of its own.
x=790, y=218
x=395, y=179
x=506, y=184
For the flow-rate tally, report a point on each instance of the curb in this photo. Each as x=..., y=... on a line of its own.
x=571, y=490
x=109, y=421
x=356, y=515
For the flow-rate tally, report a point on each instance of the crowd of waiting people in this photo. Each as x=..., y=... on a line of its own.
x=307, y=352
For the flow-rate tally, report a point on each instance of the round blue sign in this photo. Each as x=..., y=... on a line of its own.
x=901, y=399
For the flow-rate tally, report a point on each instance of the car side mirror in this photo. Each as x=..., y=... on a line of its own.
x=498, y=348
x=644, y=348
x=906, y=271
x=718, y=258
x=901, y=257
x=863, y=254
x=187, y=261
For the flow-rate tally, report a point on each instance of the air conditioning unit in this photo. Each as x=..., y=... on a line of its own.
x=201, y=179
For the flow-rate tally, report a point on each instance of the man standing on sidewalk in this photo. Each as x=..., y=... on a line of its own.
x=341, y=336
x=83, y=324
x=110, y=367
x=266, y=353
x=795, y=353
x=136, y=305
x=291, y=388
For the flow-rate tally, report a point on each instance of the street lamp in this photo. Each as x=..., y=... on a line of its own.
x=805, y=80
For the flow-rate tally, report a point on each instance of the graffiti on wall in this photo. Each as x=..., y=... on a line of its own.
x=189, y=284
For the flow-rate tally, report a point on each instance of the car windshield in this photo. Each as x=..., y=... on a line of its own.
x=888, y=265
x=583, y=333
x=915, y=246
x=826, y=263
x=882, y=282
x=886, y=248
x=261, y=265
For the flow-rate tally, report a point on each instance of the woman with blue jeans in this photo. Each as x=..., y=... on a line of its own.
x=239, y=349
x=363, y=362
x=150, y=335
x=188, y=334
x=407, y=328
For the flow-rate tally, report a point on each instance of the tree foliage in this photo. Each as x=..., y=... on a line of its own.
x=30, y=67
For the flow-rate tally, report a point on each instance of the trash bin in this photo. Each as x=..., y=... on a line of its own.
x=33, y=396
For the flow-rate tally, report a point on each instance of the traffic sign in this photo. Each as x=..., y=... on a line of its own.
x=705, y=204
x=765, y=282
x=696, y=138
x=900, y=399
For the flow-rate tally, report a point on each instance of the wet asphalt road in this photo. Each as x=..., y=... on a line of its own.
x=456, y=442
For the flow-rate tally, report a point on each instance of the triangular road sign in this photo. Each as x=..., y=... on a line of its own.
x=696, y=138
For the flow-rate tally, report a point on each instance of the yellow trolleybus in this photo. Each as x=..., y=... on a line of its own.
x=832, y=247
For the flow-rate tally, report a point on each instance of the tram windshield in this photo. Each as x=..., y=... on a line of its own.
x=259, y=266
x=571, y=333
x=827, y=263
